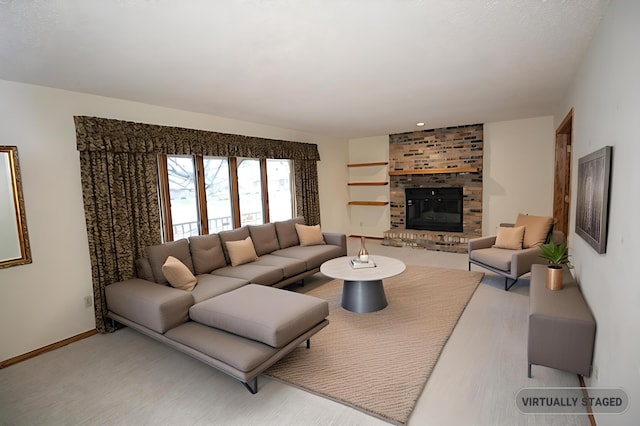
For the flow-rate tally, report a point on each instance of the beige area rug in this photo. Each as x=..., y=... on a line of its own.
x=380, y=362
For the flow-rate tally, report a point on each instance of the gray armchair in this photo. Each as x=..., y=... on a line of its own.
x=510, y=263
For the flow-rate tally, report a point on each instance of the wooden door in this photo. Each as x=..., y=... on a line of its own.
x=562, y=178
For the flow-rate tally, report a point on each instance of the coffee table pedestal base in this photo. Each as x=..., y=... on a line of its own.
x=363, y=296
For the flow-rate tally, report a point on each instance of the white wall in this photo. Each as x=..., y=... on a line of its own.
x=605, y=96
x=370, y=221
x=42, y=303
x=518, y=169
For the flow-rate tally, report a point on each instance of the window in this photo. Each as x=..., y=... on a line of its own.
x=204, y=195
x=280, y=189
x=183, y=196
x=218, y=194
x=250, y=191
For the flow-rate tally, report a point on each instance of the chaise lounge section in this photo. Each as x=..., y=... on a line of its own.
x=230, y=311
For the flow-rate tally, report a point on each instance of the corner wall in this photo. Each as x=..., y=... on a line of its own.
x=42, y=303
x=518, y=170
x=518, y=162
x=605, y=95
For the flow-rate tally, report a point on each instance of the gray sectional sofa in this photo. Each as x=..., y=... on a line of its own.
x=237, y=318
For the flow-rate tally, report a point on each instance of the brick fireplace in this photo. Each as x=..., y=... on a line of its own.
x=439, y=158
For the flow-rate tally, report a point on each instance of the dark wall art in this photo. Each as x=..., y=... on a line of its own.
x=594, y=172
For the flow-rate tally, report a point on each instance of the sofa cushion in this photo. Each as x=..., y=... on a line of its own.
x=207, y=253
x=264, y=237
x=232, y=235
x=268, y=315
x=230, y=351
x=290, y=266
x=143, y=269
x=313, y=256
x=537, y=228
x=154, y=306
x=214, y=285
x=241, y=251
x=258, y=274
x=510, y=238
x=178, y=275
x=286, y=230
x=158, y=254
x=309, y=235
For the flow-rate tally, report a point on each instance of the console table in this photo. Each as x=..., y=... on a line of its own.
x=561, y=326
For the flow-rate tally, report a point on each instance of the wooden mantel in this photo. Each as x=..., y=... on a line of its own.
x=434, y=171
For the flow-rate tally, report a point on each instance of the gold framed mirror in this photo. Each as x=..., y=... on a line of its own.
x=14, y=249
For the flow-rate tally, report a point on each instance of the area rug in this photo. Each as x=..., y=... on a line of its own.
x=380, y=362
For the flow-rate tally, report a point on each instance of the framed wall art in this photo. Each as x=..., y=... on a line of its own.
x=594, y=171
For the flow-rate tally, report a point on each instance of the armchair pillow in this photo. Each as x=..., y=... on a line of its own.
x=510, y=238
x=537, y=229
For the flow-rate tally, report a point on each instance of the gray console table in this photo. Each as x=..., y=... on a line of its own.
x=561, y=326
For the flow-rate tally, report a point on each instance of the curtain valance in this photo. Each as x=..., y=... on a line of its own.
x=104, y=134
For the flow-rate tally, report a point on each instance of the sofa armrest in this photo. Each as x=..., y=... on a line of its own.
x=336, y=239
x=481, y=243
x=152, y=305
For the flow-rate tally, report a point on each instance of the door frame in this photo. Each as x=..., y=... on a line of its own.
x=562, y=174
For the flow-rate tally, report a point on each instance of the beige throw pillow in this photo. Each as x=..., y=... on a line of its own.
x=510, y=238
x=241, y=251
x=309, y=235
x=536, y=229
x=178, y=275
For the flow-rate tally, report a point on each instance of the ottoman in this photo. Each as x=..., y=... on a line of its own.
x=265, y=315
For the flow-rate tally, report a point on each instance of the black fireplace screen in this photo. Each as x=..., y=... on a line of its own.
x=434, y=209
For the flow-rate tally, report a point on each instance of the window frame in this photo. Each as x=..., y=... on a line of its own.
x=164, y=197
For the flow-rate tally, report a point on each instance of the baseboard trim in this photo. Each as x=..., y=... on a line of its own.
x=48, y=348
x=592, y=419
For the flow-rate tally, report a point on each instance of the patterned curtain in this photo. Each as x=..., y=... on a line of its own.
x=122, y=216
x=119, y=173
x=307, y=199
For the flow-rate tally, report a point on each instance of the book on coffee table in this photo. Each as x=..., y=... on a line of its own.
x=357, y=263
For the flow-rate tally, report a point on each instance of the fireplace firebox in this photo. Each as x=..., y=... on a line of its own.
x=434, y=209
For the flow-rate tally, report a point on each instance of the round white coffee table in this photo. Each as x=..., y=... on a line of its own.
x=362, y=291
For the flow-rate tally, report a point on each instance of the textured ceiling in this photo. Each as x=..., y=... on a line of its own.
x=341, y=68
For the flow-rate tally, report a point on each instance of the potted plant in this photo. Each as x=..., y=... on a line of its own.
x=558, y=257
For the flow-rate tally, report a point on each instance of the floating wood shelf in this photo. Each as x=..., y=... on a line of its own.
x=368, y=203
x=434, y=171
x=379, y=163
x=368, y=183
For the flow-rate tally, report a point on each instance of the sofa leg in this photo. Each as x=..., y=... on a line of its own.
x=469, y=266
x=529, y=372
x=252, y=385
x=507, y=286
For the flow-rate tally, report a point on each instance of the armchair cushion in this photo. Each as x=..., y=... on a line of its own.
x=510, y=238
x=494, y=257
x=537, y=229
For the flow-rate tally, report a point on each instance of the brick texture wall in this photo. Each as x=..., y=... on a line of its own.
x=448, y=148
